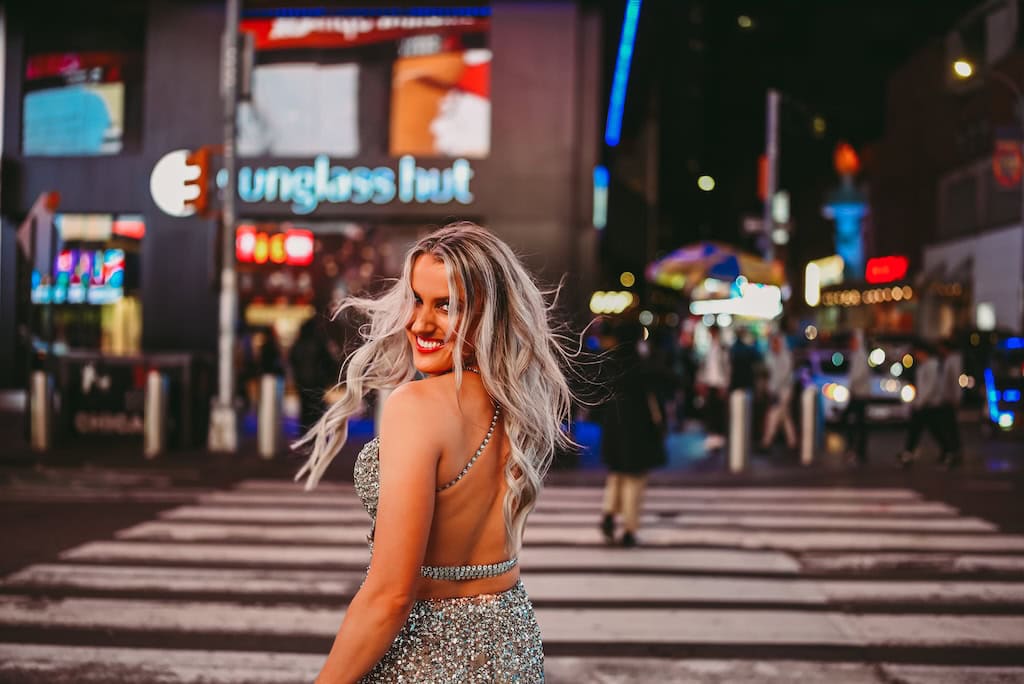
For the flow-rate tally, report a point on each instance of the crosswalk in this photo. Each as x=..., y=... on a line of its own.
x=731, y=584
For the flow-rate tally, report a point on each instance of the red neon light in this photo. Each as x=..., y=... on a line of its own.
x=245, y=243
x=885, y=269
x=293, y=247
x=129, y=228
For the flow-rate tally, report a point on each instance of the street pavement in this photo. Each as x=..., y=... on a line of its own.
x=826, y=579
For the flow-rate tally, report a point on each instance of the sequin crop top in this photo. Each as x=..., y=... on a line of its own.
x=366, y=478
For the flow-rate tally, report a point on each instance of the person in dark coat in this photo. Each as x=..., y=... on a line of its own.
x=314, y=371
x=632, y=442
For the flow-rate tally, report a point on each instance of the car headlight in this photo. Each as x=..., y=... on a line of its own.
x=836, y=392
x=908, y=393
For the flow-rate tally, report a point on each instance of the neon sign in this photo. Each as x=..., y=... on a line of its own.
x=885, y=269
x=82, y=276
x=307, y=186
x=294, y=247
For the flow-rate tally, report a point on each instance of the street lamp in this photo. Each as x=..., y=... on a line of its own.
x=964, y=69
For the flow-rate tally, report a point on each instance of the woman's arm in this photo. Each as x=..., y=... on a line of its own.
x=409, y=452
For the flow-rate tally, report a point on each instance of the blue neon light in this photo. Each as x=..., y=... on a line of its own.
x=613, y=126
x=992, y=394
x=1013, y=343
x=1011, y=396
x=600, y=197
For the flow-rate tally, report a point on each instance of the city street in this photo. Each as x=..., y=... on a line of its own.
x=176, y=581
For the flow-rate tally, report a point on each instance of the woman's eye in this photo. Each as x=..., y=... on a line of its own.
x=443, y=307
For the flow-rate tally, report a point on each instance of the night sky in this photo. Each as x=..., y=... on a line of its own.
x=706, y=77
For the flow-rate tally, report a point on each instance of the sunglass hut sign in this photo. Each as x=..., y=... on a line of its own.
x=307, y=187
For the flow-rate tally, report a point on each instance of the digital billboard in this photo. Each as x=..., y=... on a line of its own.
x=74, y=104
x=316, y=86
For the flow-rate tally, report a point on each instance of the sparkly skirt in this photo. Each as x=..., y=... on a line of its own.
x=486, y=638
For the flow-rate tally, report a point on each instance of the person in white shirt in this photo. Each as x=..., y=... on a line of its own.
x=860, y=393
x=949, y=387
x=926, y=412
x=780, y=391
x=713, y=383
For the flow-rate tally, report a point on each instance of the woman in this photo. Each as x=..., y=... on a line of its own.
x=634, y=433
x=457, y=468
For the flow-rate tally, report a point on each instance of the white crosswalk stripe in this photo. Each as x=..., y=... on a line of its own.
x=730, y=584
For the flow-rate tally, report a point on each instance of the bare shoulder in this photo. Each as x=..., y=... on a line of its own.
x=416, y=406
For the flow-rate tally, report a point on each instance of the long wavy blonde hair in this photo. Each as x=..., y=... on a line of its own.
x=520, y=352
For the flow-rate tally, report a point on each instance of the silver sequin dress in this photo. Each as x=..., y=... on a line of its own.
x=475, y=639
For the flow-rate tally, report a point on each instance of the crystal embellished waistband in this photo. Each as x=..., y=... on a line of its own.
x=467, y=572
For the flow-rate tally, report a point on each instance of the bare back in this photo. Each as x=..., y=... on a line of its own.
x=468, y=525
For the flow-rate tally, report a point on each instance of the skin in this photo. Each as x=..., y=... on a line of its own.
x=416, y=526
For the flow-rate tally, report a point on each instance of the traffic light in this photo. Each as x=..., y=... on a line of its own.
x=197, y=180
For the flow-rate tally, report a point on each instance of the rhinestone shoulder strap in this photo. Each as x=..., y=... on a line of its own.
x=480, y=450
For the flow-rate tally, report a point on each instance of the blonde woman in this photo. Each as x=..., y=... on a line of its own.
x=457, y=467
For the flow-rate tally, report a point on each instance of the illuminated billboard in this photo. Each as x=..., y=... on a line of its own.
x=316, y=86
x=74, y=104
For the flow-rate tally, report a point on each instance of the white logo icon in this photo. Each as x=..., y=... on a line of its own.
x=169, y=183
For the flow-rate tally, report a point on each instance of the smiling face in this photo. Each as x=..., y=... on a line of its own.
x=430, y=323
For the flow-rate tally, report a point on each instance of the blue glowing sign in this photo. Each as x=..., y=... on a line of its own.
x=1013, y=343
x=1011, y=396
x=617, y=101
x=307, y=186
x=600, y=197
x=992, y=395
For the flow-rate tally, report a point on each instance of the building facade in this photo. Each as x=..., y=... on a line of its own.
x=361, y=132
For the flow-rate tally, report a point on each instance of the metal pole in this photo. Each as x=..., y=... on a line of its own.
x=771, y=153
x=154, y=418
x=40, y=406
x=223, y=422
x=808, y=423
x=268, y=419
x=739, y=430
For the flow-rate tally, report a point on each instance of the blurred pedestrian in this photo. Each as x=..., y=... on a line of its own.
x=745, y=365
x=633, y=439
x=744, y=359
x=314, y=371
x=854, y=417
x=780, y=393
x=270, y=359
x=951, y=367
x=926, y=412
x=713, y=384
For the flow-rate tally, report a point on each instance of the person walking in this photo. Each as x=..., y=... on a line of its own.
x=926, y=412
x=633, y=435
x=713, y=385
x=314, y=370
x=951, y=367
x=779, y=362
x=854, y=417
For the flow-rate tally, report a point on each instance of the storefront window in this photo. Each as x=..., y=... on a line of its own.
x=90, y=297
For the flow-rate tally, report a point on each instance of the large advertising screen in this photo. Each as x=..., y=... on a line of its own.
x=74, y=104
x=316, y=87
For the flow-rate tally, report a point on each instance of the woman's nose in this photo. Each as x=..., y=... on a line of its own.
x=422, y=321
